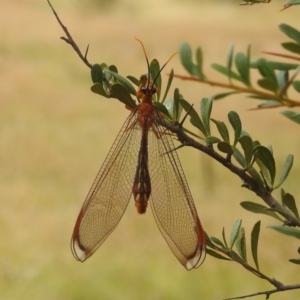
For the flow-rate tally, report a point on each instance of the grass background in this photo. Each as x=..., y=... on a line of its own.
x=55, y=134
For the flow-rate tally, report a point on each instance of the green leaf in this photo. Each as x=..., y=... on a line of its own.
x=97, y=88
x=216, y=254
x=212, y=140
x=156, y=76
x=185, y=53
x=129, y=87
x=161, y=108
x=240, y=244
x=239, y=157
x=195, y=119
x=290, y=32
x=242, y=65
x=289, y=201
x=266, y=157
x=292, y=47
x=294, y=260
x=247, y=145
x=133, y=80
x=222, y=130
x=223, y=95
x=256, y=176
x=122, y=94
x=254, y=243
x=234, y=232
x=205, y=109
x=293, y=2
x=170, y=79
x=259, y=209
x=199, y=59
x=286, y=170
x=282, y=78
x=291, y=115
x=296, y=85
x=96, y=73
x=224, y=237
x=287, y=230
x=267, y=72
x=267, y=84
x=225, y=147
x=217, y=242
x=225, y=71
x=229, y=60
x=236, y=124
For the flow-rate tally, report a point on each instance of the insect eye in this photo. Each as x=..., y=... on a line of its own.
x=153, y=90
x=144, y=89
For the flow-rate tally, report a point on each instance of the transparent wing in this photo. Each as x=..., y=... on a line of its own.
x=171, y=201
x=110, y=193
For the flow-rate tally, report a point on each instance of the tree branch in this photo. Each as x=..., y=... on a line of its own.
x=70, y=40
x=248, y=181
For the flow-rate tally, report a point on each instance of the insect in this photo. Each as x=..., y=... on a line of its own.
x=142, y=162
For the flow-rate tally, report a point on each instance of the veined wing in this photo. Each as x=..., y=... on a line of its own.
x=110, y=193
x=171, y=201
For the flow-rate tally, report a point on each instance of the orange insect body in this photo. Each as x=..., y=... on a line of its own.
x=142, y=154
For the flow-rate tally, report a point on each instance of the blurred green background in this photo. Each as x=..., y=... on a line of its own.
x=55, y=135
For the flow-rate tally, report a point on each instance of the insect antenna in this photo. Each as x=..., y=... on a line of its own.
x=148, y=65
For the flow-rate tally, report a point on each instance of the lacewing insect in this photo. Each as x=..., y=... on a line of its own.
x=142, y=162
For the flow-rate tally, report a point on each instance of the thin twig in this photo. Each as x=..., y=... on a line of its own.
x=290, y=102
x=269, y=293
x=70, y=40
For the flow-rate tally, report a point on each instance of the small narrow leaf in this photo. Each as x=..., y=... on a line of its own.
x=161, y=108
x=169, y=83
x=222, y=130
x=185, y=53
x=236, y=124
x=254, y=243
x=293, y=116
x=215, y=254
x=133, y=80
x=286, y=170
x=234, y=232
x=205, y=109
x=225, y=147
x=266, y=157
x=240, y=244
x=295, y=260
x=122, y=94
x=97, y=88
x=96, y=73
x=155, y=75
x=129, y=87
x=259, y=209
x=292, y=47
x=296, y=85
x=229, y=60
x=199, y=59
x=212, y=140
x=225, y=71
x=290, y=203
x=287, y=230
x=267, y=71
x=247, y=145
x=242, y=66
x=290, y=32
x=267, y=84
x=217, y=242
x=195, y=119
